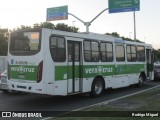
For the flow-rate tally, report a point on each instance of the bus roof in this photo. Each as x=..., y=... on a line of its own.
x=95, y=36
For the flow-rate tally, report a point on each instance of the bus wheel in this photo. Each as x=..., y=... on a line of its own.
x=5, y=91
x=141, y=80
x=97, y=87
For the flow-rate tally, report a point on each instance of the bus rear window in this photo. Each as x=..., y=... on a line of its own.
x=24, y=43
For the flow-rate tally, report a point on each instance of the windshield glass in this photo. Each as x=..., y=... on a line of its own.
x=24, y=43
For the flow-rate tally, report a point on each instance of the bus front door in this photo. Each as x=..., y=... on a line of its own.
x=74, y=66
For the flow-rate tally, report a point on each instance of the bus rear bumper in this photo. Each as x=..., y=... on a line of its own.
x=26, y=87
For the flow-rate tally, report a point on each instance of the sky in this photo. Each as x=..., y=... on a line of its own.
x=14, y=13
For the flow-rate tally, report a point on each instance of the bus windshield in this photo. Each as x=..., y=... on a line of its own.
x=24, y=43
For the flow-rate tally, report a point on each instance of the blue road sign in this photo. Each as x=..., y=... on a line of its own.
x=116, y=6
x=57, y=13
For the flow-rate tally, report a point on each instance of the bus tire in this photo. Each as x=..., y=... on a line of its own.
x=5, y=91
x=97, y=87
x=140, y=81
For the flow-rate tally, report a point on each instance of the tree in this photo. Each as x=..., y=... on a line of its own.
x=64, y=27
x=3, y=41
x=23, y=27
x=44, y=25
x=129, y=39
x=114, y=34
x=59, y=26
x=157, y=53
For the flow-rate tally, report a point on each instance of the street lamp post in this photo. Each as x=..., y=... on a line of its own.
x=87, y=24
x=134, y=17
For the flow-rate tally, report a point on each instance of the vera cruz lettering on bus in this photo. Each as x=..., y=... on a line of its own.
x=22, y=69
x=98, y=69
x=27, y=71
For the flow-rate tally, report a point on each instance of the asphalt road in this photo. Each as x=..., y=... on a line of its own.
x=15, y=101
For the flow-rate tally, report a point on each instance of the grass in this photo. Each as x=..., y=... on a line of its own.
x=144, y=102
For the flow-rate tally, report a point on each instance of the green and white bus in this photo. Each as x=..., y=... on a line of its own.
x=55, y=62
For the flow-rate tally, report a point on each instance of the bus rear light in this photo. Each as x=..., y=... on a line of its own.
x=40, y=70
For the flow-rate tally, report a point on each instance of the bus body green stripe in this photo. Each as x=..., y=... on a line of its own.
x=134, y=68
x=65, y=72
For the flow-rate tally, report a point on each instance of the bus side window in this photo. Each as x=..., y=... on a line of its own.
x=106, y=50
x=120, y=54
x=91, y=51
x=95, y=51
x=140, y=53
x=131, y=53
x=57, y=49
